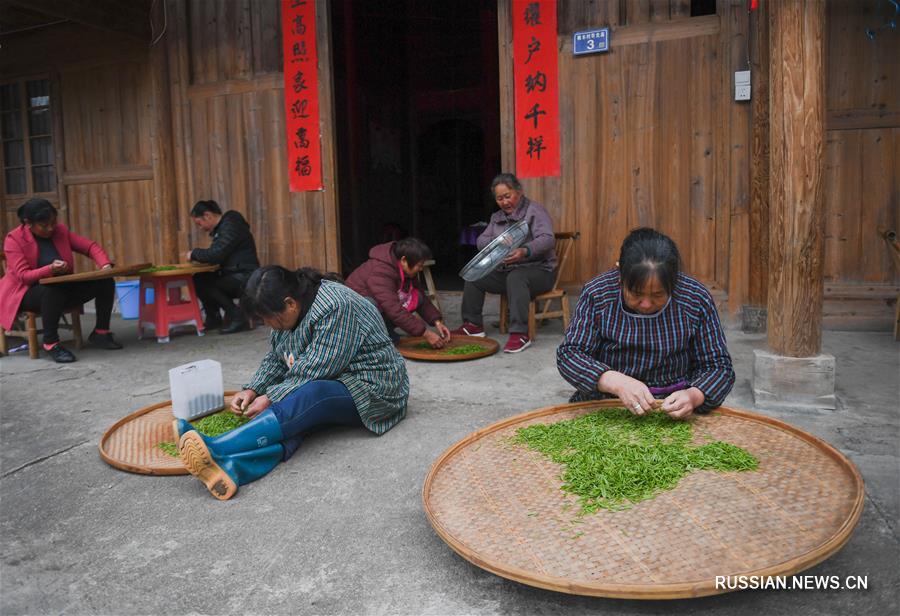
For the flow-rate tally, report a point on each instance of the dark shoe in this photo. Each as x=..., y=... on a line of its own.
x=104, y=341
x=237, y=325
x=61, y=355
x=468, y=329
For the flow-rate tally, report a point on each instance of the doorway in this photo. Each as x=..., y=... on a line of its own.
x=417, y=125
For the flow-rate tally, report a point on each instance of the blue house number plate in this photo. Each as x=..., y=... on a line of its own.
x=590, y=41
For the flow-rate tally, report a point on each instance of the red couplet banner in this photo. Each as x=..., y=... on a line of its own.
x=536, y=76
x=301, y=94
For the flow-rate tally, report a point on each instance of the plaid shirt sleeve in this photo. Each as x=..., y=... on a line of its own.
x=271, y=370
x=336, y=340
x=576, y=356
x=711, y=369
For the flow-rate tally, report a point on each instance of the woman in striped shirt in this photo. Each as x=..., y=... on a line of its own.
x=645, y=331
x=331, y=363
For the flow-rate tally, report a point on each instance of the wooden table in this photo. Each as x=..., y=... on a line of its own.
x=120, y=270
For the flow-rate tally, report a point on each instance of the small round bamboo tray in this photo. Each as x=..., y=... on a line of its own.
x=407, y=347
x=500, y=507
x=130, y=444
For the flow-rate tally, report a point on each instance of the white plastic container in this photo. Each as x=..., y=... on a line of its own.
x=197, y=389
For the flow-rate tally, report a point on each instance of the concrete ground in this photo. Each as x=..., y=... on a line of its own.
x=339, y=528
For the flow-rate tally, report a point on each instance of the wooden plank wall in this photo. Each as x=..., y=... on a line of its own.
x=101, y=98
x=227, y=93
x=862, y=174
x=650, y=136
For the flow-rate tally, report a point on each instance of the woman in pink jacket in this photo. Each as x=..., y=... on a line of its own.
x=39, y=248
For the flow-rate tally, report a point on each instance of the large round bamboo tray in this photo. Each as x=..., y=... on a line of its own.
x=131, y=443
x=100, y=274
x=407, y=348
x=500, y=507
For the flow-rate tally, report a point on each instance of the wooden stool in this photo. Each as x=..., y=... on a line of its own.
x=30, y=333
x=564, y=242
x=169, y=308
x=429, y=285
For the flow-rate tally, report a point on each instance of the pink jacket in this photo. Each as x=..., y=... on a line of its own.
x=21, y=264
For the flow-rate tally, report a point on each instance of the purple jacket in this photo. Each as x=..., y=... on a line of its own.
x=540, y=234
x=379, y=279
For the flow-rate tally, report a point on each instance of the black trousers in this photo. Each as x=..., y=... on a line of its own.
x=51, y=300
x=218, y=291
x=520, y=284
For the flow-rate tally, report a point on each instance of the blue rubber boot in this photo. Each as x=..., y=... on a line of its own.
x=223, y=473
x=261, y=431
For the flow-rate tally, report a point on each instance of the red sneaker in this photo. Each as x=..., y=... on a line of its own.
x=516, y=343
x=468, y=329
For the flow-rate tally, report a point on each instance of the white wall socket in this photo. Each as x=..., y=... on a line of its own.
x=742, y=85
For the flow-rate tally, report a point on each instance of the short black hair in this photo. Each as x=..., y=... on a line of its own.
x=36, y=210
x=201, y=207
x=646, y=253
x=414, y=249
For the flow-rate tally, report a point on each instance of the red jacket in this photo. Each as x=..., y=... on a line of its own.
x=379, y=278
x=21, y=264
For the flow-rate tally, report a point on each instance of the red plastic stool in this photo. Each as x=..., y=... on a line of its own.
x=169, y=308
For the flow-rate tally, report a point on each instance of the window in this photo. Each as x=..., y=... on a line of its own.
x=26, y=131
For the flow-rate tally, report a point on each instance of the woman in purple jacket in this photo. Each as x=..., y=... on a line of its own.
x=526, y=272
x=390, y=280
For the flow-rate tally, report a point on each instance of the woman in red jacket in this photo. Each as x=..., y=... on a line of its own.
x=389, y=279
x=39, y=248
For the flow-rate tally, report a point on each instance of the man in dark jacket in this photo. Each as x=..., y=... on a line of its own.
x=390, y=279
x=234, y=251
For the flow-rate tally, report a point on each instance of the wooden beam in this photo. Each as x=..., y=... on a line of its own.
x=507, y=104
x=103, y=176
x=165, y=203
x=796, y=202
x=852, y=119
x=273, y=81
x=759, y=160
x=330, y=200
x=131, y=18
x=654, y=32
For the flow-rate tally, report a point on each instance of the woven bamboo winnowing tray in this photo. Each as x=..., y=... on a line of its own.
x=407, y=348
x=500, y=506
x=131, y=443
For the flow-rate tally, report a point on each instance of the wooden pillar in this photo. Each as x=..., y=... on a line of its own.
x=759, y=161
x=164, y=193
x=796, y=199
x=793, y=372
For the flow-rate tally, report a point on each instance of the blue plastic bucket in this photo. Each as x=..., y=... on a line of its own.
x=129, y=298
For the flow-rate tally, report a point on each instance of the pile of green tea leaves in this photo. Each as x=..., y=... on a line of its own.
x=614, y=459
x=158, y=268
x=463, y=349
x=211, y=425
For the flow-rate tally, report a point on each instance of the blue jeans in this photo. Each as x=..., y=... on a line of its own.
x=313, y=405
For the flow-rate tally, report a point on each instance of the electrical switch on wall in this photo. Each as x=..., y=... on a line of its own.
x=742, y=85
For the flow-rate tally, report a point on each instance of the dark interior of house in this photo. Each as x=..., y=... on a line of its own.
x=418, y=125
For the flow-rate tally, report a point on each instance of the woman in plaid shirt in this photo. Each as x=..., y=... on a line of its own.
x=331, y=363
x=644, y=331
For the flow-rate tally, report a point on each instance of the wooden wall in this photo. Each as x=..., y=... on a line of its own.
x=640, y=144
x=862, y=144
x=224, y=62
x=101, y=99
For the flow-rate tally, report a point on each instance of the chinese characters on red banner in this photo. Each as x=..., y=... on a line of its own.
x=301, y=94
x=536, y=76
